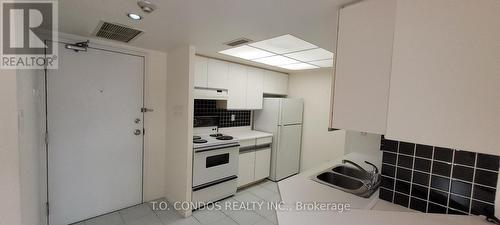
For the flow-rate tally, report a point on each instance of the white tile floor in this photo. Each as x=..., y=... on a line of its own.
x=266, y=191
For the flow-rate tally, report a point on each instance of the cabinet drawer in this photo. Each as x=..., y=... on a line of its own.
x=247, y=143
x=266, y=140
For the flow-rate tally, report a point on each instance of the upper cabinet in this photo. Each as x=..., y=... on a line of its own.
x=254, y=93
x=245, y=85
x=237, y=91
x=275, y=83
x=217, y=72
x=200, y=72
x=210, y=73
x=443, y=72
x=363, y=67
x=445, y=82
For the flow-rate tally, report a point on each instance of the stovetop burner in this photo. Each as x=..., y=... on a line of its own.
x=196, y=137
x=199, y=141
x=224, y=138
x=216, y=135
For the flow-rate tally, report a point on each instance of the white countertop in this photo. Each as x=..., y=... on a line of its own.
x=244, y=133
x=364, y=211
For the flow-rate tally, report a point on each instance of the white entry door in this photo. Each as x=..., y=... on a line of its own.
x=94, y=124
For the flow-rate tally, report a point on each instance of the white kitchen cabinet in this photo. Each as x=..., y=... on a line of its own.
x=363, y=67
x=217, y=72
x=445, y=74
x=237, y=87
x=254, y=160
x=200, y=72
x=255, y=82
x=246, y=171
x=262, y=163
x=275, y=83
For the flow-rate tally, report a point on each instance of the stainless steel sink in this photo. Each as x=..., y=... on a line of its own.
x=349, y=179
x=340, y=181
x=351, y=172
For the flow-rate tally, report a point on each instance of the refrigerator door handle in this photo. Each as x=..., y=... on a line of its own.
x=292, y=124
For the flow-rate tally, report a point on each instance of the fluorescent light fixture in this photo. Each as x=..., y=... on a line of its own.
x=246, y=52
x=134, y=16
x=276, y=60
x=323, y=63
x=311, y=55
x=283, y=44
x=299, y=66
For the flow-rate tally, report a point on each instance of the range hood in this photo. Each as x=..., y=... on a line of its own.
x=212, y=94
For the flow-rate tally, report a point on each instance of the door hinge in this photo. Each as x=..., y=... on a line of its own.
x=146, y=110
x=143, y=131
x=47, y=206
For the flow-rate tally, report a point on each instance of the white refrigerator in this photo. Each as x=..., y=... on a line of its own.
x=283, y=118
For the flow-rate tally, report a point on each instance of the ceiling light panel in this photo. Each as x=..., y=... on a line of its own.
x=276, y=60
x=311, y=55
x=299, y=66
x=323, y=63
x=283, y=44
x=246, y=52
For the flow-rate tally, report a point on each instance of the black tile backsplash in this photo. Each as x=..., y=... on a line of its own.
x=209, y=108
x=438, y=180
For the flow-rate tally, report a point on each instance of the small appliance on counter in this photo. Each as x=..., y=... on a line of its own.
x=215, y=162
x=283, y=118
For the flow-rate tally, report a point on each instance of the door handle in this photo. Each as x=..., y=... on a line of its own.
x=137, y=132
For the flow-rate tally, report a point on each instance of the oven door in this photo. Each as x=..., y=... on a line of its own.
x=215, y=163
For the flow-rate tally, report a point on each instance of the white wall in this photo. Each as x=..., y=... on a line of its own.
x=318, y=144
x=10, y=204
x=364, y=143
x=154, y=123
x=180, y=104
x=31, y=146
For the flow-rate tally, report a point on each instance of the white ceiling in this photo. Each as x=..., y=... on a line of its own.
x=207, y=24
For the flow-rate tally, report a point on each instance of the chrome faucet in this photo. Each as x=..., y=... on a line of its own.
x=345, y=161
x=372, y=176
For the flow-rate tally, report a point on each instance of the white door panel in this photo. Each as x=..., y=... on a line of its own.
x=246, y=167
x=200, y=72
x=288, y=151
x=94, y=157
x=217, y=74
x=291, y=111
x=254, y=95
x=237, y=88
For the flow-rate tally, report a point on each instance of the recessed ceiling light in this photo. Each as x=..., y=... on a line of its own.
x=283, y=44
x=311, y=55
x=276, y=60
x=299, y=66
x=246, y=52
x=134, y=16
x=323, y=63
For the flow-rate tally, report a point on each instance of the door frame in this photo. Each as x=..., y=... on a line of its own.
x=102, y=47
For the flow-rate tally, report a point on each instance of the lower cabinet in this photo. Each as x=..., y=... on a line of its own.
x=262, y=163
x=246, y=172
x=254, y=162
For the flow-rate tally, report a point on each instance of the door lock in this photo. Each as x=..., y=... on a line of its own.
x=137, y=120
x=137, y=132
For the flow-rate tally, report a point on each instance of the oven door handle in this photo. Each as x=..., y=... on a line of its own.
x=198, y=150
x=210, y=184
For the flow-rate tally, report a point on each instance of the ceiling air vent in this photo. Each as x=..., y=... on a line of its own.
x=238, y=41
x=116, y=32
